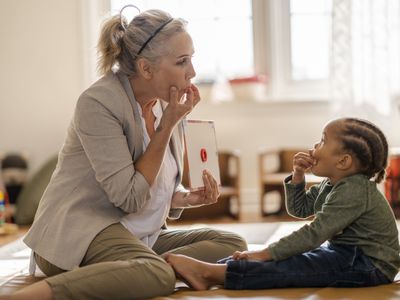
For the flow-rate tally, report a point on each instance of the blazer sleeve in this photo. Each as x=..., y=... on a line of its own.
x=99, y=126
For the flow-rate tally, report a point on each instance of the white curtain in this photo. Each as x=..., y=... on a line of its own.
x=366, y=55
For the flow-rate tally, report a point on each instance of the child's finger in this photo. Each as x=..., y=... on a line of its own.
x=304, y=157
x=236, y=255
x=244, y=255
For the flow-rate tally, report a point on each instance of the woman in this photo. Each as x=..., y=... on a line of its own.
x=99, y=231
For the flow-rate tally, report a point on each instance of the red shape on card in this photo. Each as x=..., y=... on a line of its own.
x=203, y=155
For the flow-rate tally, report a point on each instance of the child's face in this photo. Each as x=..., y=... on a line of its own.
x=326, y=152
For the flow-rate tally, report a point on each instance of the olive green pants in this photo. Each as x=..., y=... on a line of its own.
x=117, y=265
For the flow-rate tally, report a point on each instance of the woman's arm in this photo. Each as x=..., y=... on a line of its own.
x=150, y=162
x=97, y=123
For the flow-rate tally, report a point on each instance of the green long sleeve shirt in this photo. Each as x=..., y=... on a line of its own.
x=352, y=212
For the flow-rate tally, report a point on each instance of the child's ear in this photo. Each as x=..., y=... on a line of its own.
x=145, y=68
x=345, y=162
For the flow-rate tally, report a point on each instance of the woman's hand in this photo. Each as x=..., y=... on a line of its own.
x=302, y=162
x=193, y=92
x=252, y=255
x=208, y=195
x=179, y=107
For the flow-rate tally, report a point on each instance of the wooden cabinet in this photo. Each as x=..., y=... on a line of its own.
x=229, y=200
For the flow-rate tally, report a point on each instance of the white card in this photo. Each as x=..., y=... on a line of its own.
x=201, y=150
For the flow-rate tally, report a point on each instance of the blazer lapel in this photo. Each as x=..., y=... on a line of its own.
x=138, y=125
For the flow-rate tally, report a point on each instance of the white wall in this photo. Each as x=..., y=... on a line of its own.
x=41, y=76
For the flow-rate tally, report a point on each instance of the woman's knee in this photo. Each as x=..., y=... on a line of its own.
x=229, y=239
x=163, y=277
x=237, y=242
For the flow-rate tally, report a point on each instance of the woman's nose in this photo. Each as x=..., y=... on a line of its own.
x=191, y=72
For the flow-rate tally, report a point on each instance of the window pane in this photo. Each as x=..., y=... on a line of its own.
x=221, y=31
x=234, y=54
x=310, y=6
x=310, y=38
x=229, y=8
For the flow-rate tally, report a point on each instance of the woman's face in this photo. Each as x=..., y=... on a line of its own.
x=175, y=69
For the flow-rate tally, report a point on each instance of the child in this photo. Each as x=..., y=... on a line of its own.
x=350, y=213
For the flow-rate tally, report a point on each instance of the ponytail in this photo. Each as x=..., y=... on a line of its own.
x=109, y=45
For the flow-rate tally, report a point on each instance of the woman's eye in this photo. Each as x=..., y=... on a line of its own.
x=182, y=62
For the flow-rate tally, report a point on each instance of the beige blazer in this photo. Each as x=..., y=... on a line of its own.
x=95, y=182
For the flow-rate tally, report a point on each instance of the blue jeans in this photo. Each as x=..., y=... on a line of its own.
x=331, y=265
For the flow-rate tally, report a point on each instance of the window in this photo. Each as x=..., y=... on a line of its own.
x=295, y=42
x=310, y=31
x=288, y=40
x=222, y=37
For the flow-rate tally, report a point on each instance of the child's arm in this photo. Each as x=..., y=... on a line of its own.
x=299, y=202
x=302, y=162
x=344, y=205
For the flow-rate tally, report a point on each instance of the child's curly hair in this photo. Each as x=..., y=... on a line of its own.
x=368, y=143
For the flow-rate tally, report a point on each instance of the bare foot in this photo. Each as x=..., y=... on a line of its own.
x=199, y=275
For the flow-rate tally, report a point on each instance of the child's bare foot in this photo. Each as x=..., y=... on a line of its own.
x=199, y=275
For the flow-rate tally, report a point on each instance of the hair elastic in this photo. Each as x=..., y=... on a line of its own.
x=153, y=35
x=120, y=13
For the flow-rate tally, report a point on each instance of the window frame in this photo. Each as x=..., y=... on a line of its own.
x=271, y=46
x=272, y=52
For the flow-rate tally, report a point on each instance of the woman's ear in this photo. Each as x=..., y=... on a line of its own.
x=345, y=162
x=144, y=68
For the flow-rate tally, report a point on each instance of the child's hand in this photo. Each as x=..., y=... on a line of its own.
x=302, y=162
x=252, y=255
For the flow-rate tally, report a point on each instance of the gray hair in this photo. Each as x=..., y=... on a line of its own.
x=120, y=43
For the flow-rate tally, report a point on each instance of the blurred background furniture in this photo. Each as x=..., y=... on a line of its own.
x=392, y=182
x=274, y=166
x=229, y=201
x=29, y=198
x=14, y=170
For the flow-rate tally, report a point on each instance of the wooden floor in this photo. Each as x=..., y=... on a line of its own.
x=257, y=230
